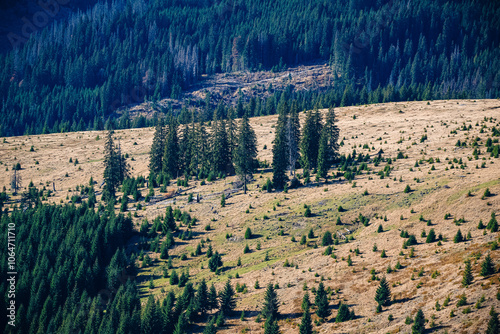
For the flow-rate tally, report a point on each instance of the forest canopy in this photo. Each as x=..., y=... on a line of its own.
x=74, y=74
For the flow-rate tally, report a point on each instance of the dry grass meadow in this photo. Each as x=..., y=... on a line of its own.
x=276, y=217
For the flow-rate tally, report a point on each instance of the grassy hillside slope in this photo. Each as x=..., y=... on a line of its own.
x=453, y=182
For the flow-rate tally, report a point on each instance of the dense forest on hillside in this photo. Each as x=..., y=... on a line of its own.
x=74, y=74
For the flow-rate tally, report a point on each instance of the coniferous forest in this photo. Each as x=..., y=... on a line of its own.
x=74, y=74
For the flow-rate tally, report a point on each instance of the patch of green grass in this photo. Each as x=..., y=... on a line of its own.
x=474, y=189
x=412, y=198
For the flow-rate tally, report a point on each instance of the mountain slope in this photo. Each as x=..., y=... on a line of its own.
x=419, y=130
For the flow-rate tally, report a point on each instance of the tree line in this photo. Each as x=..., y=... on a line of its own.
x=225, y=148
x=314, y=149
x=220, y=149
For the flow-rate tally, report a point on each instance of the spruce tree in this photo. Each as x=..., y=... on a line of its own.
x=487, y=267
x=215, y=261
x=323, y=165
x=271, y=326
x=248, y=233
x=213, y=302
x=220, y=156
x=114, y=170
x=201, y=149
x=181, y=326
x=493, y=323
x=123, y=167
x=150, y=322
x=271, y=304
x=321, y=301
x=171, y=152
x=431, y=237
x=318, y=128
x=169, y=221
x=306, y=303
x=383, y=293
x=210, y=327
x=307, y=143
x=343, y=313
x=186, y=150
x=174, y=278
x=327, y=239
x=227, y=299
x=419, y=323
x=492, y=224
x=293, y=137
x=306, y=323
x=328, y=144
x=157, y=149
x=169, y=318
x=245, y=153
x=164, y=251
x=467, y=277
x=202, y=297
x=280, y=149
x=458, y=237
x=232, y=131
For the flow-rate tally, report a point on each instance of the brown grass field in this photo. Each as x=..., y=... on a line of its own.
x=392, y=127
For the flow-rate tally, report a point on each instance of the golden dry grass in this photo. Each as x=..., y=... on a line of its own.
x=438, y=192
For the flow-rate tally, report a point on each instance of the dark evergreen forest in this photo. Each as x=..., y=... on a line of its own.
x=75, y=73
x=75, y=270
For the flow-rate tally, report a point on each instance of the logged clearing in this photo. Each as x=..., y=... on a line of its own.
x=444, y=179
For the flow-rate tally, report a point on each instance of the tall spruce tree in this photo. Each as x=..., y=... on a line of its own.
x=245, y=153
x=309, y=143
x=306, y=141
x=151, y=321
x=202, y=297
x=492, y=224
x=328, y=144
x=323, y=164
x=157, y=149
x=171, y=152
x=201, y=150
x=321, y=301
x=15, y=182
x=293, y=137
x=123, y=167
x=306, y=303
x=493, y=323
x=213, y=302
x=383, y=293
x=232, y=131
x=467, y=277
x=487, y=267
x=186, y=150
x=169, y=317
x=271, y=303
x=227, y=299
x=280, y=149
x=306, y=322
x=115, y=168
x=220, y=156
x=419, y=323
